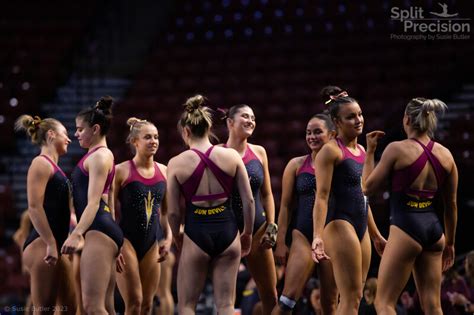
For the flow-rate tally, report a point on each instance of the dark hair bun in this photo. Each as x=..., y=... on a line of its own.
x=328, y=91
x=105, y=104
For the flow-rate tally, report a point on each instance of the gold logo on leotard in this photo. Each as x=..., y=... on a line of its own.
x=106, y=208
x=419, y=205
x=148, y=207
x=209, y=211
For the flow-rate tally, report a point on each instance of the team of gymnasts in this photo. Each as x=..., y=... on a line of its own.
x=215, y=203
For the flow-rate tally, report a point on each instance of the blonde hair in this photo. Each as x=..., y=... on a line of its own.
x=196, y=116
x=135, y=128
x=36, y=128
x=423, y=114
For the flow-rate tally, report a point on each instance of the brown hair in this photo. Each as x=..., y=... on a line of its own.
x=100, y=114
x=36, y=128
x=423, y=114
x=231, y=112
x=196, y=116
x=334, y=97
x=324, y=116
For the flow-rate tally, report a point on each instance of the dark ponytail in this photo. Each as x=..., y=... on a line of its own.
x=99, y=114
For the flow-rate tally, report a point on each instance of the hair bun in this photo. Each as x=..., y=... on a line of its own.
x=423, y=114
x=132, y=121
x=328, y=91
x=35, y=127
x=194, y=103
x=433, y=106
x=35, y=122
x=105, y=104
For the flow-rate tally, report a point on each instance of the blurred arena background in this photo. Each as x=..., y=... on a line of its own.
x=57, y=57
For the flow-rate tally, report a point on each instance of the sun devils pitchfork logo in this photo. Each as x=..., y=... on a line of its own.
x=148, y=207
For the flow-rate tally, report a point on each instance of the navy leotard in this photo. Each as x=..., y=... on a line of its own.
x=213, y=229
x=140, y=200
x=256, y=176
x=347, y=201
x=56, y=207
x=414, y=211
x=305, y=187
x=103, y=220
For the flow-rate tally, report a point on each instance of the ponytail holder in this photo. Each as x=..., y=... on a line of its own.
x=36, y=121
x=136, y=122
x=96, y=108
x=334, y=97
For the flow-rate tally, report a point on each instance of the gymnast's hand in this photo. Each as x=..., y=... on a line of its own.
x=372, y=139
x=270, y=236
x=457, y=298
x=73, y=243
x=245, y=243
x=51, y=254
x=318, y=252
x=448, y=257
x=163, y=249
x=120, y=262
x=379, y=244
x=281, y=252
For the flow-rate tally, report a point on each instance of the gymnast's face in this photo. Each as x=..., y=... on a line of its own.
x=317, y=134
x=61, y=139
x=350, y=120
x=243, y=123
x=85, y=133
x=146, y=143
